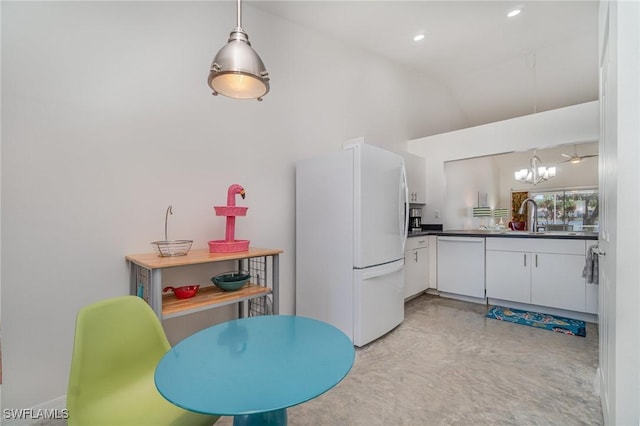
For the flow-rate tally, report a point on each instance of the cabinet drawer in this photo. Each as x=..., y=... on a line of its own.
x=537, y=245
x=416, y=243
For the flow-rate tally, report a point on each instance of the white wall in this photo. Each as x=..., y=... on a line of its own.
x=494, y=176
x=107, y=119
x=573, y=124
x=464, y=179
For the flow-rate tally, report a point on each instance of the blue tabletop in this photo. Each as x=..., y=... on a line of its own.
x=256, y=364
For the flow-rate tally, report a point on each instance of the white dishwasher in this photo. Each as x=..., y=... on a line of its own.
x=461, y=266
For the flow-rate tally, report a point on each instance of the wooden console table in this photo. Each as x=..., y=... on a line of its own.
x=146, y=280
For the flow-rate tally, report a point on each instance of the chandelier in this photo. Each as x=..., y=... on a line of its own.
x=536, y=172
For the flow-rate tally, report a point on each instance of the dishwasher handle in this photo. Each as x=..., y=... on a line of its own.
x=462, y=239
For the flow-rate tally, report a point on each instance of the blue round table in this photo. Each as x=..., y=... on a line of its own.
x=254, y=368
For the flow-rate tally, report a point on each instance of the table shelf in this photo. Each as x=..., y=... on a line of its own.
x=146, y=271
x=207, y=296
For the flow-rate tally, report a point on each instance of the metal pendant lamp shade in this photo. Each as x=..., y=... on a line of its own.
x=237, y=71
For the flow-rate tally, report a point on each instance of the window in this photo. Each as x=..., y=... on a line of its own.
x=568, y=209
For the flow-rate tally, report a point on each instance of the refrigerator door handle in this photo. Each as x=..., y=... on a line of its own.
x=404, y=205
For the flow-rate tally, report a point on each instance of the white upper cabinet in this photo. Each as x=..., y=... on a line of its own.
x=416, y=177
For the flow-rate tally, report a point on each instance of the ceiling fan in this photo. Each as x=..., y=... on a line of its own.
x=575, y=158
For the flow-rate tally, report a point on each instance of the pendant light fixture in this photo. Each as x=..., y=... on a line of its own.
x=237, y=71
x=536, y=172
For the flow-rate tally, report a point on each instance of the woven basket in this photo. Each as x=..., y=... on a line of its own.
x=173, y=248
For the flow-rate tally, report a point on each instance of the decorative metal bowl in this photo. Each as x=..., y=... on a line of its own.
x=230, y=281
x=173, y=247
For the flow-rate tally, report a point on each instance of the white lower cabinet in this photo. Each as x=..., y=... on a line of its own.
x=508, y=275
x=544, y=272
x=556, y=281
x=416, y=264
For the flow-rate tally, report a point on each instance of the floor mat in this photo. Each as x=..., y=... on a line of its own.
x=534, y=319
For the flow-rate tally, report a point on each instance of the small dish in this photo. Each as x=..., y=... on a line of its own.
x=184, y=292
x=231, y=281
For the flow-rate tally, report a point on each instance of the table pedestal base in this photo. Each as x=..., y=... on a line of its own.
x=268, y=418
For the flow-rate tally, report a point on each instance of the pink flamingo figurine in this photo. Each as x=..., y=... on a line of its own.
x=230, y=244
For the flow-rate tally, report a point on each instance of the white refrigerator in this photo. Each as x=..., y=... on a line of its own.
x=351, y=227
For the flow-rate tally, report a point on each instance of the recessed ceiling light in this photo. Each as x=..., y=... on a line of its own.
x=513, y=13
x=418, y=37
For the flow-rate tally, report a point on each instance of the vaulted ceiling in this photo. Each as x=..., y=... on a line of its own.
x=495, y=67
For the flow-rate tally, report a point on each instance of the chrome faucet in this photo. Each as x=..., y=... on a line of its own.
x=533, y=214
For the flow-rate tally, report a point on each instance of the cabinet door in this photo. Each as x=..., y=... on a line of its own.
x=556, y=281
x=416, y=265
x=416, y=177
x=508, y=276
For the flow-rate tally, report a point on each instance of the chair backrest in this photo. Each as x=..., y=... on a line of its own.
x=116, y=341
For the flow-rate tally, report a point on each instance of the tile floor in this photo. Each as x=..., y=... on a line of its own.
x=447, y=364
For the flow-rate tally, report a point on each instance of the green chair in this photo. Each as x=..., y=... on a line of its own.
x=118, y=343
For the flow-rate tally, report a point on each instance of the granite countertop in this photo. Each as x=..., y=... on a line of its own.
x=508, y=233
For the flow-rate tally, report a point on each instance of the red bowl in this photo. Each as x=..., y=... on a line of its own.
x=183, y=292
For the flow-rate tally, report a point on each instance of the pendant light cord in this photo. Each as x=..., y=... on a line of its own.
x=535, y=86
x=239, y=16
x=530, y=60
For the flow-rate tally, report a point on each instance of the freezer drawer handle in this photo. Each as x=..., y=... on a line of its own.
x=378, y=271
